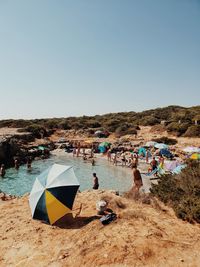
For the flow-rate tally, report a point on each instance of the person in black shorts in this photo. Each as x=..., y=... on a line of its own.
x=96, y=181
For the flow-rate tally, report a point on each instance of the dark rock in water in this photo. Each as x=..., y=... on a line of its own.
x=5, y=197
x=8, y=149
x=12, y=146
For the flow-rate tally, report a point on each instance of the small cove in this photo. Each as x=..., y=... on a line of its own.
x=19, y=182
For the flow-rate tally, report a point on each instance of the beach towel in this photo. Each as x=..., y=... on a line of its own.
x=152, y=173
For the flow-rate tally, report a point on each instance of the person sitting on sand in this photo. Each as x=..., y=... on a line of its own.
x=137, y=179
x=102, y=207
x=96, y=181
x=2, y=170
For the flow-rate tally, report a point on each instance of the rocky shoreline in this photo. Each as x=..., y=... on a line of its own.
x=22, y=146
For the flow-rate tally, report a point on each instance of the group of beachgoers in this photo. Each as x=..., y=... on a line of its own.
x=128, y=159
x=17, y=165
x=131, y=159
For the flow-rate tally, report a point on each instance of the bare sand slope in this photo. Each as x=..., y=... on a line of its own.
x=143, y=235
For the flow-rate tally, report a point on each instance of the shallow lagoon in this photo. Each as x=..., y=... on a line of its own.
x=110, y=177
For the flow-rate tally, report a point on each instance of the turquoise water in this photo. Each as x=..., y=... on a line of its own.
x=110, y=177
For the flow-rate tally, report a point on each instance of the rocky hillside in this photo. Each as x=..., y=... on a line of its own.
x=174, y=119
x=143, y=235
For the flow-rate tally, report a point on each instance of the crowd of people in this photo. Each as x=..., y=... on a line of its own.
x=125, y=159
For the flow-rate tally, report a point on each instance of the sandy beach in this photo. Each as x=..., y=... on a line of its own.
x=143, y=235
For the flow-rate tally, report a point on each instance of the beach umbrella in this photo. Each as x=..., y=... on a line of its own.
x=142, y=151
x=105, y=144
x=98, y=132
x=53, y=193
x=165, y=152
x=161, y=146
x=42, y=148
x=191, y=149
x=150, y=144
x=195, y=156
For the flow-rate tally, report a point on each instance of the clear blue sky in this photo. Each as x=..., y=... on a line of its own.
x=85, y=57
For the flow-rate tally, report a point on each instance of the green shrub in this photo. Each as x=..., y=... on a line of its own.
x=166, y=140
x=112, y=125
x=178, y=128
x=64, y=125
x=193, y=131
x=149, y=120
x=52, y=123
x=36, y=130
x=181, y=192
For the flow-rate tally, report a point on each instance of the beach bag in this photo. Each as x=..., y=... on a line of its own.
x=101, y=205
x=106, y=219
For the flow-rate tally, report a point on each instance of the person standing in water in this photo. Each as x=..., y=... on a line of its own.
x=16, y=162
x=96, y=181
x=2, y=170
x=28, y=164
x=74, y=152
x=137, y=179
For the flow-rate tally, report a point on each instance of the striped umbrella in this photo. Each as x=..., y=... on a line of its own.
x=53, y=193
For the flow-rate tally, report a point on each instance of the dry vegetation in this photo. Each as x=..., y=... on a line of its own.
x=178, y=120
x=181, y=192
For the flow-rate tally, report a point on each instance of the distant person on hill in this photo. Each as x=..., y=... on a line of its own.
x=2, y=170
x=96, y=181
x=137, y=179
